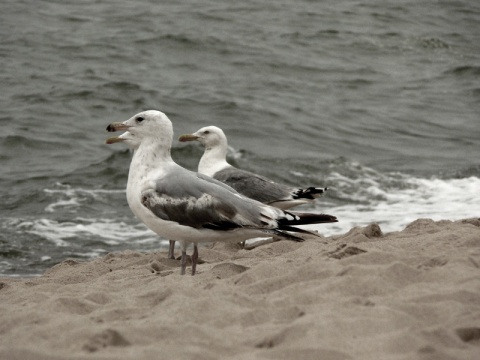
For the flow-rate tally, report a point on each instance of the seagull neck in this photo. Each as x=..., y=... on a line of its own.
x=149, y=155
x=213, y=160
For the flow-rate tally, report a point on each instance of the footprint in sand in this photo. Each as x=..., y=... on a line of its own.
x=106, y=338
x=469, y=335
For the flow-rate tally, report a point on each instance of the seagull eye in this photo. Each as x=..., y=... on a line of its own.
x=206, y=132
x=139, y=119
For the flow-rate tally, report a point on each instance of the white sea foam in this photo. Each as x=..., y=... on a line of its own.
x=107, y=231
x=66, y=197
x=395, y=201
x=359, y=196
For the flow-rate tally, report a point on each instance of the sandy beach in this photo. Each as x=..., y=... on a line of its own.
x=412, y=294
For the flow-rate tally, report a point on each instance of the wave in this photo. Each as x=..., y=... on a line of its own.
x=358, y=196
x=67, y=197
x=15, y=143
x=467, y=71
x=393, y=200
x=28, y=246
x=86, y=222
x=84, y=230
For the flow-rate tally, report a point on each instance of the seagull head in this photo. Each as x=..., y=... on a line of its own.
x=209, y=136
x=150, y=125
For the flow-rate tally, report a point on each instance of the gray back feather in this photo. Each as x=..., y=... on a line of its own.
x=198, y=201
x=254, y=186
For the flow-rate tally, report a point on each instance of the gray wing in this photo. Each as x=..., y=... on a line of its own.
x=199, y=201
x=254, y=186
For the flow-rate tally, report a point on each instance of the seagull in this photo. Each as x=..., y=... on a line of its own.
x=214, y=164
x=191, y=207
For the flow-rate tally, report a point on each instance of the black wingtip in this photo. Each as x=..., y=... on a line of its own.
x=310, y=193
x=296, y=218
x=307, y=218
x=329, y=218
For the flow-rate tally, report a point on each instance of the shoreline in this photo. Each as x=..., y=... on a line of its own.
x=410, y=294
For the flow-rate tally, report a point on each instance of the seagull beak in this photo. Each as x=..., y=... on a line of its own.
x=188, y=137
x=117, y=126
x=114, y=139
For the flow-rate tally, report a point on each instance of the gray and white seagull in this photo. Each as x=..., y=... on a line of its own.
x=214, y=163
x=190, y=207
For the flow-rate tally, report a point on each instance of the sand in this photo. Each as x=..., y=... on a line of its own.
x=413, y=294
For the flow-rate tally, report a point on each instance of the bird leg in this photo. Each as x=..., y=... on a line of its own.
x=194, y=259
x=183, y=262
x=171, y=249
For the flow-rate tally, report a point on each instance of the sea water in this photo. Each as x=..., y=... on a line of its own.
x=378, y=100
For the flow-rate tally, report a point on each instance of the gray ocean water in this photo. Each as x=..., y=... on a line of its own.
x=379, y=100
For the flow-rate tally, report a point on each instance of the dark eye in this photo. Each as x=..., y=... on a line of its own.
x=206, y=132
x=139, y=119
